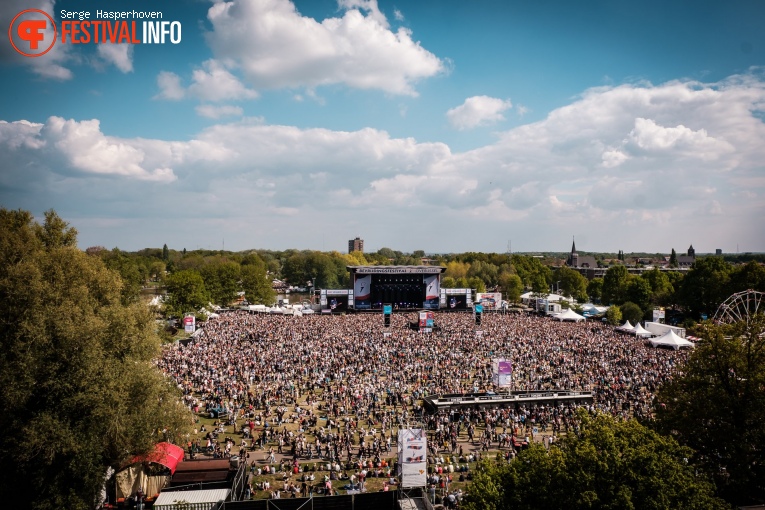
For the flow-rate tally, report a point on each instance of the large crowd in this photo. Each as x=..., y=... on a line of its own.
x=365, y=380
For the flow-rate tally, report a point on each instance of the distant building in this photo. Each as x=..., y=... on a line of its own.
x=688, y=259
x=718, y=251
x=576, y=260
x=356, y=245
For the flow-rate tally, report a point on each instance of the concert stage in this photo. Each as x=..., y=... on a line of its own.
x=404, y=287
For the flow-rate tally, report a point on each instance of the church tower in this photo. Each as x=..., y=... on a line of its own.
x=573, y=258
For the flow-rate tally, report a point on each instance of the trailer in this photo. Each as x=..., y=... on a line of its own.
x=659, y=329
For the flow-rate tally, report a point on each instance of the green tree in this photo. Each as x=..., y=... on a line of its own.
x=528, y=267
x=477, y=284
x=255, y=283
x=133, y=274
x=55, y=232
x=221, y=281
x=166, y=253
x=595, y=289
x=539, y=285
x=79, y=389
x=716, y=405
x=748, y=276
x=186, y=292
x=486, y=271
x=706, y=285
x=608, y=464
x=387, y=253
x=673, y=259
x=615, y=285
x=572, y=283
x=512, y=287
x=631, y=312
x=448, y=282
x=661, y=287
x=457, y=269
x=157, y=270
x=639, y=292
x=486, y=491
x=614, y=315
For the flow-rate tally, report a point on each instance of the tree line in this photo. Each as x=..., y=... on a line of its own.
x=195, y=278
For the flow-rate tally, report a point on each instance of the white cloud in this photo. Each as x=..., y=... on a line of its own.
x=216, y=112
x=89, y=150
x=478, y=111
x=215, y=83
x=170, y=86
x=121, y=55
x=650, y=136
x=398, y=15
x=639, y=163
x=212, y=82
x=370, y=6
x=613, y=158
x=80, y=146
x=275, y=47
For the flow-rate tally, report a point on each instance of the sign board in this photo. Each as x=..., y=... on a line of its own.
x=502, y=372
x=189, y=324
x=397, y=269
x=489, y=300
x=412, y=457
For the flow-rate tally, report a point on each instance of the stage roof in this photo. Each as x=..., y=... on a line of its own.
x=396, y=269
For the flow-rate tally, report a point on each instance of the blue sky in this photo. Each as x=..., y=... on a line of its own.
x=435, y=125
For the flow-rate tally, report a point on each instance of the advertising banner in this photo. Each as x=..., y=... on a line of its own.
x=427, y=319
x=189, y=324
x=362, y=287
x=412, y=457
x=397, y=269
x=502, y=372
x=489, y=300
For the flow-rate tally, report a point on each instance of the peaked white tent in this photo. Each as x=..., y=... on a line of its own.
x=626, y=326
x=670, y=339
x=639, y=330
x=569, y=315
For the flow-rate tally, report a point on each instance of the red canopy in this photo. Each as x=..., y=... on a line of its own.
x=166, y=454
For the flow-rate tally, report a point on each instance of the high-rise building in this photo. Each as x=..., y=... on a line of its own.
x=356, y=245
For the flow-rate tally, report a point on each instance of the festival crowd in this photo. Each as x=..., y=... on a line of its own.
x=364, y=381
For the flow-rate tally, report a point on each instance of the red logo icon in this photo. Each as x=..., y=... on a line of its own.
x=31, y=30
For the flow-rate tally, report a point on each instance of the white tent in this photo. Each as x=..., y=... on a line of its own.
x=626, y=327
x=569, y=315
x=528, y=298
x=639, y=330
x=670, y=339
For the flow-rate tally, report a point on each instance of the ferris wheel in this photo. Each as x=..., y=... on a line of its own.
x=740, y=307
